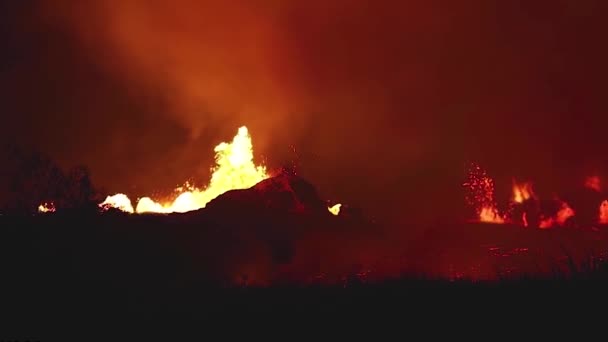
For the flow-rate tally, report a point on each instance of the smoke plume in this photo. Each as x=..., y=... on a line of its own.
x=390, y=96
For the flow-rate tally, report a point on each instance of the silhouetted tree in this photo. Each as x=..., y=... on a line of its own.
x=78, y=191
x=29, y=178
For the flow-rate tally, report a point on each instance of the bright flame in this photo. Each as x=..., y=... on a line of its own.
x=603, y=219
x=234, y=169
x=335, y=209
x=46, y=208
x=593, y=183
x=522, y=192
x=118, y=201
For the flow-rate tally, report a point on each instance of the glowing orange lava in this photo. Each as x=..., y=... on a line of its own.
x=522, y=192
x=118, y=201
x=481, y=195
x=47, y=207
x=563, y=214
x=335, y=209
x=491, y=215
x=234, y=169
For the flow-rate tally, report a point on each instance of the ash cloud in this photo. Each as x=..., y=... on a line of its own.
x=393, y=97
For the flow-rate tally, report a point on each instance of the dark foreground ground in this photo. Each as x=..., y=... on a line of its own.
x=71, y=270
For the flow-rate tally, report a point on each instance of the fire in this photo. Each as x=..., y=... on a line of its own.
x=522, y=192
x=593, y=183
x=336, y=209
x=234, y=169
x=47, y=207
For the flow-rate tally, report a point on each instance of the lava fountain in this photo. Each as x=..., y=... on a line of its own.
x=234, y=169
x=481, y=195
x=522, y=192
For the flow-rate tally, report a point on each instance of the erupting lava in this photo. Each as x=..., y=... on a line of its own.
x=522, y=192
x=118, y=201
x=523, y=201
x=234, y=169
x=563, y=214
x=46, y=207
x=481, y=195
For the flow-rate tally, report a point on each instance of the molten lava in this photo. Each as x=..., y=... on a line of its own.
x=490, y=214
x=523, y=202
x=481, y=195
x=522, y=192
x=234, y=169
x=563, y=214
x=47, y=207
x=118, y=201
x=335, y=210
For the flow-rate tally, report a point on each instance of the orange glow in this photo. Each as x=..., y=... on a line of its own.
x=603, y=219
x=335, y=209
x=481, y=195
x=118, y=201
x=522, y=192
x=491, y=215
x=47, y=207
x=234, y=169
x=563, y=214
x=546, y=223
x=593, y=182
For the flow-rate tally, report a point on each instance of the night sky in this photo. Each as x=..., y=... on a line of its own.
x=384, y=101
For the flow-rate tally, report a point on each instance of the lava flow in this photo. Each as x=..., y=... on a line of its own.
x=234, y=169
